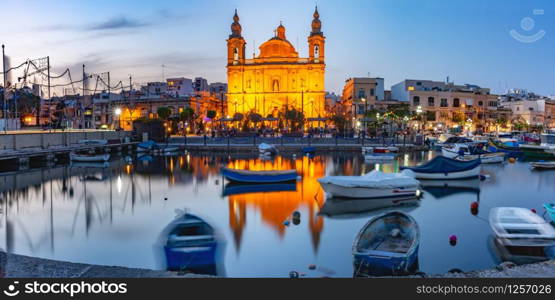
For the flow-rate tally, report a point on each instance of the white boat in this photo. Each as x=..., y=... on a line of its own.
x=455, y=150
x=372, y=185
x=443, y=168
x=543, y=165
x=517, y=226
x=89, y=158
x=487, y=158
x=267, y=149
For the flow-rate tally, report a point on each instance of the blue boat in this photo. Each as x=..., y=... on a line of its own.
x=550, y=207
x=258, y=176
x=190, y=244
x=443, y=168
x=234, y=188
x=387, y=246
x=309, y=150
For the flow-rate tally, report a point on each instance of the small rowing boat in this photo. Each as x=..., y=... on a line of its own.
x=517, y=226
x=259, y=176
x=387, y=245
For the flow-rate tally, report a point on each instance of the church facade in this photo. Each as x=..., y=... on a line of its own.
x=277, y=79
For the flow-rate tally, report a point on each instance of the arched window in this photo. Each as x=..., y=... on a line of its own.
x=316, y=51
x=236, y=54
x=275, y=85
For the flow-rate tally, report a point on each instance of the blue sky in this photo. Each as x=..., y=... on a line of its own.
x=467, y=40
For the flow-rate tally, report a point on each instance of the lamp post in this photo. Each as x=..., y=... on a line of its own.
x=419, y=113
x=117, y=111
x=365, y=112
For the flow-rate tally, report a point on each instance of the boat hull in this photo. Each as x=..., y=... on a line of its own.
x=258, y=177
x=338, y=191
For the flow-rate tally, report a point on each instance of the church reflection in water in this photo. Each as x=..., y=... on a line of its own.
x=278, y=206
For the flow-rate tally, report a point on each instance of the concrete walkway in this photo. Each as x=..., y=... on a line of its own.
x=19, y=266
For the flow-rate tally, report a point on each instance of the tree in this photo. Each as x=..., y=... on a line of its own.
x=211, y=114
x=237, y=117
x=295, y=119
x=188, y=114
x=164, y=112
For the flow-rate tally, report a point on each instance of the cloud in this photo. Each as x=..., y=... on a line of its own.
x=119, y=22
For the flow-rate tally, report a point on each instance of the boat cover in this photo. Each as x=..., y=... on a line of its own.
x=264, y=146
x=442, y=164
x=374, y=179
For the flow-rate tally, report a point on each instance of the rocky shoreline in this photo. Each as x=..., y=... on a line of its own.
x=19, y=266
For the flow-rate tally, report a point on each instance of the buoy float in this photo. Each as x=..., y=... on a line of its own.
x=312, y=267
x=453, y=240
x=286, y=223
x=512, y=160
x=534, y=210
x=474, y=207
x=293, y=274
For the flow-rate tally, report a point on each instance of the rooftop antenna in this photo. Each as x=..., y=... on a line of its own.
x=163, y=72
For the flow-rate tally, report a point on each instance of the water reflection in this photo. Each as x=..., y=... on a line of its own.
x=114, y=215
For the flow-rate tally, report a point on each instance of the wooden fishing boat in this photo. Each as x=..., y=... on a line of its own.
x=372, y=185
x=190, y=243
x=89, y=158
x=444, y=168
x=387, y=245
x=486, y=158
x=521, y=227
x=259, y=176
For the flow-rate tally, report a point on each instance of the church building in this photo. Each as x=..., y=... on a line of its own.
x=277, y=79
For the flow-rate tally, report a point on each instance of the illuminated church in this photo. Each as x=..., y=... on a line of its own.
x=278, y=79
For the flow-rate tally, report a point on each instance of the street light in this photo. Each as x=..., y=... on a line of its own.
x=117, y=111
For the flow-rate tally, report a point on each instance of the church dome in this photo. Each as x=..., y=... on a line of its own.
x=278, y=46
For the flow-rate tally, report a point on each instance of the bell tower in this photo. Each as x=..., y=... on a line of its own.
x=236, y=44
x=316, y=40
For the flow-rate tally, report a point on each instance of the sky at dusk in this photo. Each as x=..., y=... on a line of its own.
x=467, y=40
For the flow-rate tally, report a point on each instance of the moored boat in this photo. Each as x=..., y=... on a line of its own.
x=387, y=245
x=267, y=149
x=486, y=158
x=517, y=226
x=372, y=185
x=190, y=243
x=89, y=158
x=259, y=176
x=445, y=168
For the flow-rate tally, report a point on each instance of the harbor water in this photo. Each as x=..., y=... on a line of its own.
x=121, y=213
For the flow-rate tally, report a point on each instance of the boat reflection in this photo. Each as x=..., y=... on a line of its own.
x=445, y=188
x=190, y=244
x=518, y=254
x=356, y=208
x=233, y=188
x=387, y=246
